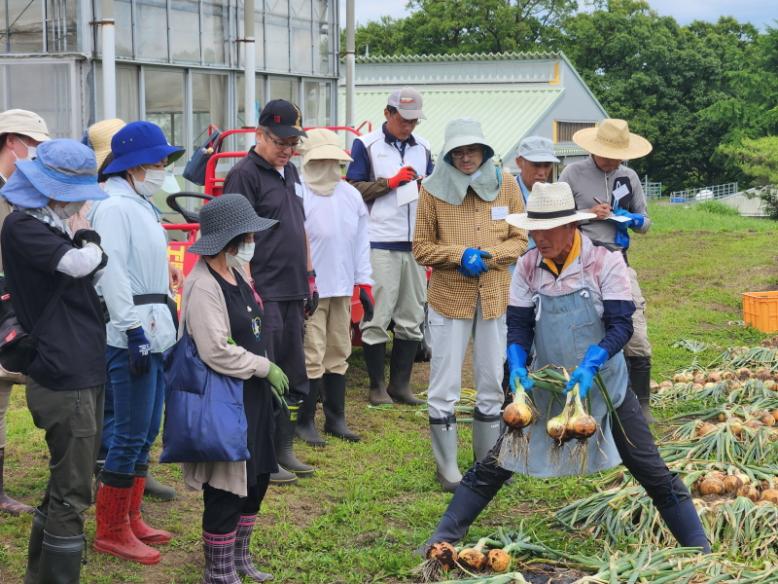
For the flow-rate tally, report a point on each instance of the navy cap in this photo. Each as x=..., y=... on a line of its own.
x=283, y=118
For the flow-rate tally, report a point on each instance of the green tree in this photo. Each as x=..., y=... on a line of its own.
x=758, y=159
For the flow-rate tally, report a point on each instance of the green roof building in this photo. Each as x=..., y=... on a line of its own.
x=513, y=95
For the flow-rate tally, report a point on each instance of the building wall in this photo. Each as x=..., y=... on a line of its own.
x=178, y=61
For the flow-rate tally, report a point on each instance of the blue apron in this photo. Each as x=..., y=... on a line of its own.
x=565, y=327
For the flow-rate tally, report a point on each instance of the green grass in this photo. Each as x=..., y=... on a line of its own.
x=371, y=504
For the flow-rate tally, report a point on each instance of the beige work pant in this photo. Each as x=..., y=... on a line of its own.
x=328, y=337
x=5, y=397
x=638, y=345
x=400, y=290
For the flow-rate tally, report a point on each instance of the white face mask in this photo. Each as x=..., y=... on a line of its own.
x=32, y=152
x=66, y=211
x=154, y=180
x=245, y=252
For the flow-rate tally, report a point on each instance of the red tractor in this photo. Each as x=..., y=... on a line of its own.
x=178, y=250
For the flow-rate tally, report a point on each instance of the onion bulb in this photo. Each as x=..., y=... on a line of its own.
x=749, y=492
x=714, y=376
x=518, y=414
x=498, y=560
x=705, y=428
x=580, y=425
x=770, y=495
x=711, y=486
x=473, y=558
x=444, y=553
x=732, y=484
x=743, y=373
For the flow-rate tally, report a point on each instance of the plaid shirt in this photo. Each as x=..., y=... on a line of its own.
x=444, y=231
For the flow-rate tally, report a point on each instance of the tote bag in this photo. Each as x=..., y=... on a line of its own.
x=204, y=416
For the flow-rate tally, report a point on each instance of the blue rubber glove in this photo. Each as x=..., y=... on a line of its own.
x=517, y=363
x=139, y=349
x=584, y=374
x=636, y=220
x=472, y=262
x=622, y=236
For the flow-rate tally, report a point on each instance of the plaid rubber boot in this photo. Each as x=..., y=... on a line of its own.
x=243, y=562
x=220, y=558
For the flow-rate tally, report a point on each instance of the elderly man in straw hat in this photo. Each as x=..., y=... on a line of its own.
x=612, y=191
x=571, y=300
x=336, y=224
x=461, y=232
x=20, y=133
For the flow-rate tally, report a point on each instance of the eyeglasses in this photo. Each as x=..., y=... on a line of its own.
x=283, y=145
x=460, y=153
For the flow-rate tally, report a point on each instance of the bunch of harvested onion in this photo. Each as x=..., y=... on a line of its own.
x=441, y=557
x=573, y=422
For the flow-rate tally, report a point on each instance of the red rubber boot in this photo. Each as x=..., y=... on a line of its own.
x=114, y=535
x=140, y=528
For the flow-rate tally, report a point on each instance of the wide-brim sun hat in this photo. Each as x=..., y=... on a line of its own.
x=322, y=144
x=464, y=132
x=223, y=219
x=549, y=205
x=140, y=143
x=63, y=170
x=99, y=136
x=612, y=139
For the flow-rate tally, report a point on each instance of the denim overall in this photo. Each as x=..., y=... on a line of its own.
x=565, y=327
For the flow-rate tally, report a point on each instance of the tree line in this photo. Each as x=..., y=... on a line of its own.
x=705, y=94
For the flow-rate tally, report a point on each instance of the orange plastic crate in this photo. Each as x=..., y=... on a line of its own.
x=760, y=310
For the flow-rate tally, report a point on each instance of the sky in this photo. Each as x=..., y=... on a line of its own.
x=761, y=13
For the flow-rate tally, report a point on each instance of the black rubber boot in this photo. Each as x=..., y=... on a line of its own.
x=284, y=447
x=640, y=381
x=35, y=548
x=335, y=407
x=61, y=559
x=463, y=510
x=305, y=428
x=283, y=477
x=375, y=360
x=400, y=367
x=684, y=523
x=156, y=490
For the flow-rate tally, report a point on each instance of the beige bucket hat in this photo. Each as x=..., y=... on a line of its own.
x=549, y=205
x=25, y=123
x=99, y=136
x=612, y=139
x=322, y=144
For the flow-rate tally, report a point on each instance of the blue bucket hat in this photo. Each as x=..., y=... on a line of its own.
x=140, y=143
x=63, y=170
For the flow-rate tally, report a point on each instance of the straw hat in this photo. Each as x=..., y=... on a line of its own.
x=549, y=205
x=99, y=137
x=223, y=219
x=612, y=139
x=322, y=144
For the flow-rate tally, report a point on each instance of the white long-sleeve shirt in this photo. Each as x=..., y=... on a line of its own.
x=336, y=225
x=135, y=242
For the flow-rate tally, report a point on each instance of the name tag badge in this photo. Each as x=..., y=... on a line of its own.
x=298, y=189
x=621, y=191
x=499, y=213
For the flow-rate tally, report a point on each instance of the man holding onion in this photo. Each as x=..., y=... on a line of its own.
x=572, y=302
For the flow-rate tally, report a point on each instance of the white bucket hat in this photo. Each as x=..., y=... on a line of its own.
x=549, y=205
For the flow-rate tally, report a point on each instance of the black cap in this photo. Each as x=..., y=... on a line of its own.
x=282, y=118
